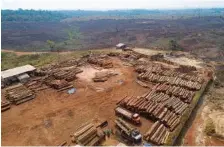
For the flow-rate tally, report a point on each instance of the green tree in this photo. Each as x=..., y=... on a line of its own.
x=209, y=127
x=51, y=44
x=73, y=33
x=173, y=45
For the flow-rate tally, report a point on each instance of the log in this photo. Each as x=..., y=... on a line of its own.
x=156, y=133
x=24, y=100
x=89, y=139
x=154, y=127
x=5, y=108
x=83, y=130
x=86, y=135
x=158, y=140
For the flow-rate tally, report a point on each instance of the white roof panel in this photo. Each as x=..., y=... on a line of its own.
x=120, y=44
x=16, y=71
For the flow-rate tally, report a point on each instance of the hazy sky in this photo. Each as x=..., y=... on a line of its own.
x=110, y=4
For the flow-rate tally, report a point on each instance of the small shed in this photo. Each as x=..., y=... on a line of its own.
x=23, y=78
x=16, y=74
x=121, y=46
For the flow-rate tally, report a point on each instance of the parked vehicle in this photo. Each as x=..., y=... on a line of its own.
x=134, y=117
x=129, y=133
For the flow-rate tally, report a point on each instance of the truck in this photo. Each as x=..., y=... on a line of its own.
x=127, y=132
x=134, y=117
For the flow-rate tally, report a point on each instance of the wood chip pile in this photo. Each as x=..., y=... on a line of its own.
x=88, y=135
x=157, y=134
x=5, y=105
x=19, y=93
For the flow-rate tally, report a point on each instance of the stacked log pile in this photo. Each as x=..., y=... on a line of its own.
x=100, y=62
x=103, y=76
x=54, y=76
x=154, y=68
x=184, y=94
x=18, y=94
x=157, y=57
x=68, y=75
x=158, y=106
x=88, y=135
x=60, y=84
x=157, y=78
x=36, y=84
x=5, y=105
x=113, y=54
x=130, y=57
x=157, y=134
x=185, y=68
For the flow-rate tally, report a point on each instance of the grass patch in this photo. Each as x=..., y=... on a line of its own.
x=209, y=127
x=11, y=60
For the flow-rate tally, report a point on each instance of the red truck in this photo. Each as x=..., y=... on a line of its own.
x=134, y=117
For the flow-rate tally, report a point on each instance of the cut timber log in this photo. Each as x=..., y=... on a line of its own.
x=83, y=130
x=86, y=135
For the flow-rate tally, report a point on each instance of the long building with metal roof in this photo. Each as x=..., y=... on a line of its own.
x=16, y=71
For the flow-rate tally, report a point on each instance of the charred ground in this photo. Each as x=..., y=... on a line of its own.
x=196, y=31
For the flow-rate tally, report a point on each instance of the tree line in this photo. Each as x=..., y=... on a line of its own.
x=31, y=15
x=46, y=15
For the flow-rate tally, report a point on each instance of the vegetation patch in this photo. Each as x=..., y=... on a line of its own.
x=11, y=60
x=209, y=127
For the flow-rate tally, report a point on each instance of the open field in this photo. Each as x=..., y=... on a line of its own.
x=12, y=59
x=200, y=36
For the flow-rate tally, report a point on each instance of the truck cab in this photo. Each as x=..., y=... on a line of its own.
x=134, y=136
x=137, y=137
x=136, y=118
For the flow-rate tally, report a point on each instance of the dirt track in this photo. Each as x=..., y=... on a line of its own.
x=52, y=116
x=21, y=53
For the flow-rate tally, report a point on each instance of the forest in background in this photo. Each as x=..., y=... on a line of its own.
x=21, y=15
x=199, y=31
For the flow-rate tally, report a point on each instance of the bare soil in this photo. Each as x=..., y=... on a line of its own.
x=195, y=135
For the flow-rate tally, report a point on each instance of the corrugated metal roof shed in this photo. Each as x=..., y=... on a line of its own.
x=120, y=45
x=23, y=77
x=16, y=71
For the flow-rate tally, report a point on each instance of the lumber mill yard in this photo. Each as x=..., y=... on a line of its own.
x=130, y=97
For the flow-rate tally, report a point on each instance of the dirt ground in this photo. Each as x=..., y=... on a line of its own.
x=52, y=116
x=182, y=60
x=149, y=51
x=195, y=135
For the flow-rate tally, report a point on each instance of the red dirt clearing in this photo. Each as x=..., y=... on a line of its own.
x=52, y=116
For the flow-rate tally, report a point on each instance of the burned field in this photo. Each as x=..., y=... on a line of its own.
x=87, y=90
